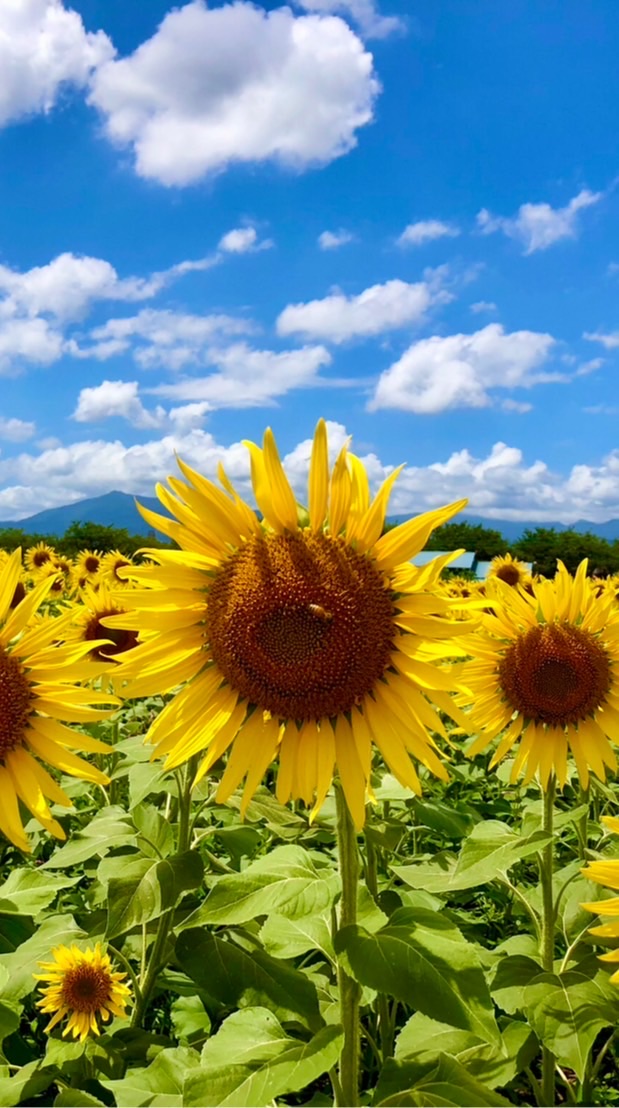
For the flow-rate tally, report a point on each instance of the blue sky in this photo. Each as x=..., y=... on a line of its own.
x=215, y=218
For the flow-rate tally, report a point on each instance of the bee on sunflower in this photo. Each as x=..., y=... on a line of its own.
x=306, y=637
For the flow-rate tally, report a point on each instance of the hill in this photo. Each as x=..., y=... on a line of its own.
x=117, y=509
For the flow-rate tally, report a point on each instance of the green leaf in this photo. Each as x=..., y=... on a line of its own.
x=511, y=978
x=25, y=1084
x=109, y=828
x=288, y=938
x=489, y=852
x=22, y=963
x=442, y=817
x=284, y=881
x=147, y=889
x=422, y=959
x=145, y=778
x=251, y=1060
x=161, y=1083
x=445, y=1085
x=190, y=1020
x=567, y=1011
x=487, y=1063
x=239, y=979
x=156, y=835
x=27, y=891
x=77, y=1098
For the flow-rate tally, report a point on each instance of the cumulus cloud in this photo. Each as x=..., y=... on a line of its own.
x=16, y=430
x=458, y=371
x=28, y=341
x=162, y=338
x=236, y=84
x=538, y=226
x=610, y=341
x=426, y=230
x=331, y=240
x=242, y=240
x=116, y=399
x=247, y=378
x=501, y=485
x=362, y=12
x=43, y=48
x=337, y=317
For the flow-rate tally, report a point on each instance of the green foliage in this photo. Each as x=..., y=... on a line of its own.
x=544, y=546
x=484, y=541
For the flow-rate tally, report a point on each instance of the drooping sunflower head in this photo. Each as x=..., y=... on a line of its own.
x=545, y=670
x=510, y=570
x=302, y=637
x=83, y=985
x=38, y=696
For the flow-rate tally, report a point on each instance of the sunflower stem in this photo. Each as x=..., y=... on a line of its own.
x=348, y=856
x=546, y=860
x=149, y=974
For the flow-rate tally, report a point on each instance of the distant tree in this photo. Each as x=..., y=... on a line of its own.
x=544, y=546
x=96, y=536
x=485, y=542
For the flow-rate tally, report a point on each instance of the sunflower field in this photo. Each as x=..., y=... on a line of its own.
x=287, y=819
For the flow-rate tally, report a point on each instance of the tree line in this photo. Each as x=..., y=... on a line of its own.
x=542, y=546
x=81, y=536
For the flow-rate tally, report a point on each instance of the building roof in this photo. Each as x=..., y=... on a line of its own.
x=464, y=561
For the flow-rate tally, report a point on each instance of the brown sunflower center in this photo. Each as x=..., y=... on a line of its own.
x=15, y=702
x=86, y=988
x=91, y=563
x=40, y=558
x=556, y=674
x=300, y=625
x=509, y=573
x=120, y=639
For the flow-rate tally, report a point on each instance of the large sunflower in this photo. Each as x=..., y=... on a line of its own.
x=82, y=984
x=37, y=691
x=305, y=636
x=545, y=671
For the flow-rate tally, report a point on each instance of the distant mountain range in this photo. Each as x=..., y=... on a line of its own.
x=117, y=509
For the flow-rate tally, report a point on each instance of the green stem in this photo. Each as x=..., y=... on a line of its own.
x=348, y=856
x=382, y=1001
x=547, y=950
x=149, y=974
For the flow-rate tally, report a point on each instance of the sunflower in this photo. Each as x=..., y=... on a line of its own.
x=304, y=636
x=37, y=691
x=88, y=564
x=545, y=670
x=83, y=985
x=606, y=872
x=111, y=563
x=38, y=556
x=88, y=625
x=510, y=570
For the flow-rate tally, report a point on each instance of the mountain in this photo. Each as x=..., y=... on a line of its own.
x=117, y=509
x=113, y=509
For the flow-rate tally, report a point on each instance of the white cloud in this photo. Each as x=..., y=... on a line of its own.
x=16, y=430
x=236, y=84
x=426, y=230
x=164, y=338
x=501, y=485
x=608, y=341
x=243, y=240
x=538, y=226
x=32, y=341
x=380, y=308
x=518, y=406
x=116, y=399
x=331, y=240
x=247, y=378
x=362, y=12
x=458, y=371
x=43, y=47
x=483, y=306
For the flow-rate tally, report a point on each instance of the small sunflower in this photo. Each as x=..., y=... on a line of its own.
x=89, y=626
x=111, y=563
x=545, y=670
x=88, y=564
x=305, y=637
x=606, y=872
x=39, y=556
x=37, y=692
x=83, y=985
x=510, y=570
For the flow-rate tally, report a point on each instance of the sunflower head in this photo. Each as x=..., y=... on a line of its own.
x=39, y=556
x=90, y=625
x=88, y=564
x=545, y=671
x=111, y=563
x=302, y=636
x=509, y=570
x=83, y=985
